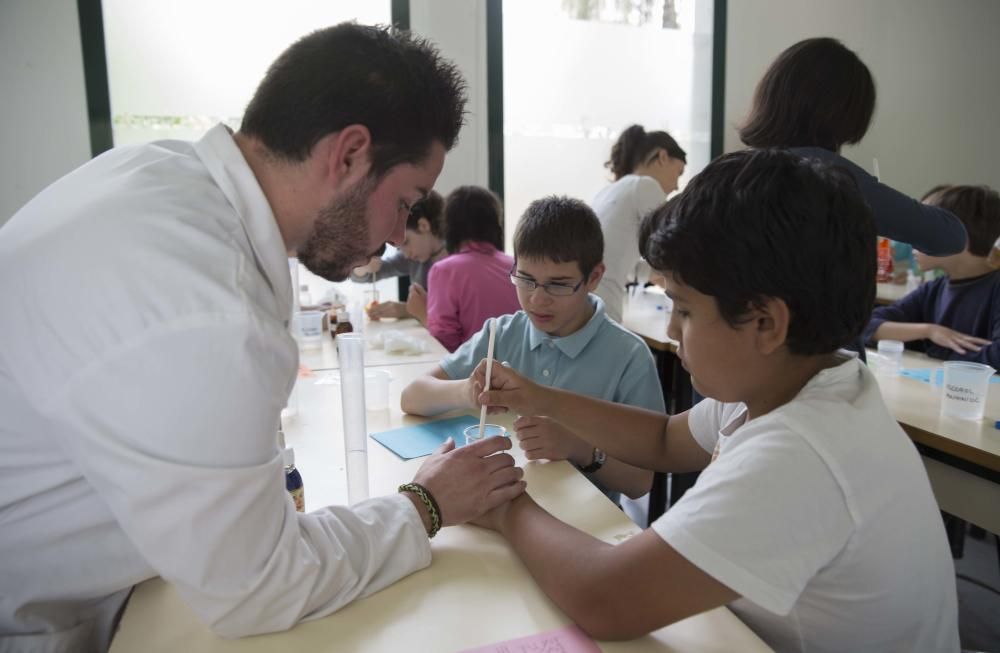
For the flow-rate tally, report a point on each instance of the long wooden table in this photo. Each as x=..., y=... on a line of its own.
x=324, y=356
x=476, y=592
x=962, y=457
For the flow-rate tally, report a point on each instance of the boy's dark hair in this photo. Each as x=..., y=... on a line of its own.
x=472, y=213
x=934, y=191
x=561, y=229
x=764, y=224
x=636, y=146
x=978, y=207
x=817, y=93
x=392, y=82
x=429, y=208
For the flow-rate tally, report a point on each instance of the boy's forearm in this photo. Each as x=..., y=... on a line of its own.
x=429, y=396
x=904, y=331
x=603, y=423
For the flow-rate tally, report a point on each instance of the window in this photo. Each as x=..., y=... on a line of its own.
x=177, y=68
x=577, y=72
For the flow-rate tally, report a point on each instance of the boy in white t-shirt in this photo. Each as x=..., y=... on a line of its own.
x=813, y=519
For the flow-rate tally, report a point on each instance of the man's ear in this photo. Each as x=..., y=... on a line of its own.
x=770, y=322
x=595, y=276
x=347, y=154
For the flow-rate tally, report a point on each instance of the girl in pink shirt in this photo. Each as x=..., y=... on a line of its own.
x=473, y=283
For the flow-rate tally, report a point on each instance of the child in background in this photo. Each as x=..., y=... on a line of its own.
x=422, y=246
x=957, y=316
x=813, y=518
x=471, y=284
x=561, y=338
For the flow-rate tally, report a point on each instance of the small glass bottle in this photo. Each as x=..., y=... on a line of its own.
x=293, y=480
x=305, y=297
x=343, y=323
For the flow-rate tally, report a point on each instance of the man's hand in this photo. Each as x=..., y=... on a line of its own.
x=468, y=482
x=510, y=391
x=543, y=438
x=374, y=265
x=416, y=302
x=950, y=339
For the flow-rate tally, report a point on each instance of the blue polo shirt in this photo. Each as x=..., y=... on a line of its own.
x=602, y=359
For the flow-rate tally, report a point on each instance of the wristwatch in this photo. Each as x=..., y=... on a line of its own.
x=599, y=459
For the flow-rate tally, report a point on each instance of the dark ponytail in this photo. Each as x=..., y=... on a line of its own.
x=635, y=146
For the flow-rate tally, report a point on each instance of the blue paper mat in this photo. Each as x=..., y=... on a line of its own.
x=924, y=374
x=422, y=439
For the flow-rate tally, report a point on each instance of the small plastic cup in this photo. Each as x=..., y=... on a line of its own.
x=377, y=389
x=309, y=326
x=472, y=433
x=890, y=354
x=966, y=387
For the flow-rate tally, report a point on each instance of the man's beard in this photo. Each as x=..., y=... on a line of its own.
x=339, y=241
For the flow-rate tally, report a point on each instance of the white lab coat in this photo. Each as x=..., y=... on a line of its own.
x=144, y=360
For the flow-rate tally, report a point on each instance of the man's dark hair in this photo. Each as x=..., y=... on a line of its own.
x=978, y=207
x=764, y=224
x=636, y=146
x=392, y=82
x=561, y=229
x=472, y=214
x=430, y=208
x=817, y=93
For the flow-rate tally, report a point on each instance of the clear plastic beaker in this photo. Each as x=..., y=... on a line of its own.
x=309, y=326
x=472, y=433
x=890, y=357
x=966, y=387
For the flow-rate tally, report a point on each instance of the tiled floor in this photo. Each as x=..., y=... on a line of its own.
x=978, y=608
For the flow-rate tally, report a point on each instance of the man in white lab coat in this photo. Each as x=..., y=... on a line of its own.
x=145, y=357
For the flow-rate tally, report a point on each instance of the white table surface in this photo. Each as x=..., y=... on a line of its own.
x=476, y=592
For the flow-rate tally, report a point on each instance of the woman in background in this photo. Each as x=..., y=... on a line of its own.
x=815, y=98
x=472, y=283
x=646, y=167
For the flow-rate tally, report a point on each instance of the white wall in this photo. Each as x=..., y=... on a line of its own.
x=936, y=66
x=44, y=131
x=935, y=63
x=458, y=27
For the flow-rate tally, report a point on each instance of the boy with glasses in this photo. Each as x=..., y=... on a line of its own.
x=561, y=338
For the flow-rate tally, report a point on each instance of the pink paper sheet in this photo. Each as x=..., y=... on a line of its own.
x=562, y=640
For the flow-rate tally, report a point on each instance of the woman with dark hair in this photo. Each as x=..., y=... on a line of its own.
x=472, y=283
x=646, y=166
x=422, y=246
x=818, y=96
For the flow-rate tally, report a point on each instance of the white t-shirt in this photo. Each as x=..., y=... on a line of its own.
x=144, y=361
x=820, y=515
x=621, y=207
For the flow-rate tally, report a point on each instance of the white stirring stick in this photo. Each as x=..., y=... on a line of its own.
x=489, y=372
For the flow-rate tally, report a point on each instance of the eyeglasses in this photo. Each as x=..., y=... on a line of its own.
x=553, y=288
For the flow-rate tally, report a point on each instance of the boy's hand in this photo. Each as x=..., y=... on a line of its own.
x=374, y=265
x=510, y=391
x=387, y=309
x=494, y=519
x=416, y=302
x=468, y=482
x=954, y=340
x=544, y=438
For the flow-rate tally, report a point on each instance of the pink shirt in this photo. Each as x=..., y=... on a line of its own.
x=467, y=288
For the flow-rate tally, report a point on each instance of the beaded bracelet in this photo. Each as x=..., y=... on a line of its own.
x=428, y=500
